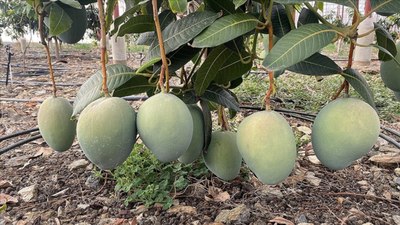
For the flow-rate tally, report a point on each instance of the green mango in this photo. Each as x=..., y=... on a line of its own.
x=165, y=126
x=343, y=131
x=223, y=158
x=106, y=131
x=196, y=145
x=55, y=124
x=268, y=146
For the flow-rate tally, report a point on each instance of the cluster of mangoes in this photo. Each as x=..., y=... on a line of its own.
x=344, y=130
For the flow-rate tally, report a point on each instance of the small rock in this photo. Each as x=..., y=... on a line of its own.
x=182, y=209
x=80, y=163
x=396, y=219
x=240, y=214
x=397, y=172
x=28, y=193
x=304, y=129
x=301, y=219
x=83, y=206
x=363, y=183
x=313, y=159
x=310, y=177
x=92, y=182
x=268, y=190
x=5, y=184
x=139, y=210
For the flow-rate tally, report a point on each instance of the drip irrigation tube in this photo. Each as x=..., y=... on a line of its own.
x=10, y=147
x=41, y=83
x=18, y=133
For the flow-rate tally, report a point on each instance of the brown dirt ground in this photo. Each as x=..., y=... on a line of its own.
x=364, y=192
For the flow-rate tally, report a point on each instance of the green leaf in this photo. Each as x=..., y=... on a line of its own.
x=147, y=64
x=360, y=85
x=126, y=15
x=73, y=3
x=166, y=17
x=233, y=68
x=385, y=6
x=86, y=2
x=209, y=69
x=224, y=6
x=238, y=3
x=137, y=84
x=178, y=6
x=207, y=123
x=280, y=21
x=59, y=21
x=316, y=65
x=117, y=75
x=298, y=45
x=389, y=54
x=110, y=6
x=178, y=58
x=349, y=3
x=384, y=39
x=307, y=16
x=137, y=24
x=221, y=96
x=225, y=29
x=182, y=31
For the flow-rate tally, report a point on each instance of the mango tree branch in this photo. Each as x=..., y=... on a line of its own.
x=164, y=67
x=44, y=43
x=103, y=46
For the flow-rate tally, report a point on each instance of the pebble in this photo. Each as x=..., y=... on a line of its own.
x=92, y=182
x=240, y=214
x=28, y=193
x=396, y=219
x=80, y=163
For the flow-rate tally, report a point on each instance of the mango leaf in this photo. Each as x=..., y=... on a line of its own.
x=126, y=15
x=117, y=75
x=110, y=6
x=137, y=84
x=177, y=6
x=349, y=3
x=221, y=96
x=225, y=29
x=178, y=58
x=73, y=3
x=207, y=123
x=385, y=40
x=209, y=69
x=239, y=3
x=147, y=64
x=233, y=68
x=166, y=17
x=182, y=31
x=59, y=21
x=316, y=65
x=225, y=6
x=385, y=6
x=307, y=16
x=280, y=20
x=298, y=45
x=137, y=24
x=360, y=85
x=389, y=54
x=189, y=97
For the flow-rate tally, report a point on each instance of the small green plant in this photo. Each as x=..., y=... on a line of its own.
x=145, y=179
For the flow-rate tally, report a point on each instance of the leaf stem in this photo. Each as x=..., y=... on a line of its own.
x=103, y=46
x=196, y=63
x=44, y=43
x=164, y=67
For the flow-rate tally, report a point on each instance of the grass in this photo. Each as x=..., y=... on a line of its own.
x=306, y=93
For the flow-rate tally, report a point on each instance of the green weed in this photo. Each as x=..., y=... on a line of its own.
x=145, y=179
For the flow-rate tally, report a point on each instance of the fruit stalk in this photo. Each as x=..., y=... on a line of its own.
x=271, y=89
x=44, y=43
x=164, y=67
x=222, y=119
x=103, y=46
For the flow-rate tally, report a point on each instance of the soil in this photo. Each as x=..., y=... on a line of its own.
x=364, y=193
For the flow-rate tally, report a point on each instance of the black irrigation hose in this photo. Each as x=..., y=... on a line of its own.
x=10, y=147
x=390, y=140
x=390, y=130
x=18, y=133
x=41, y=83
